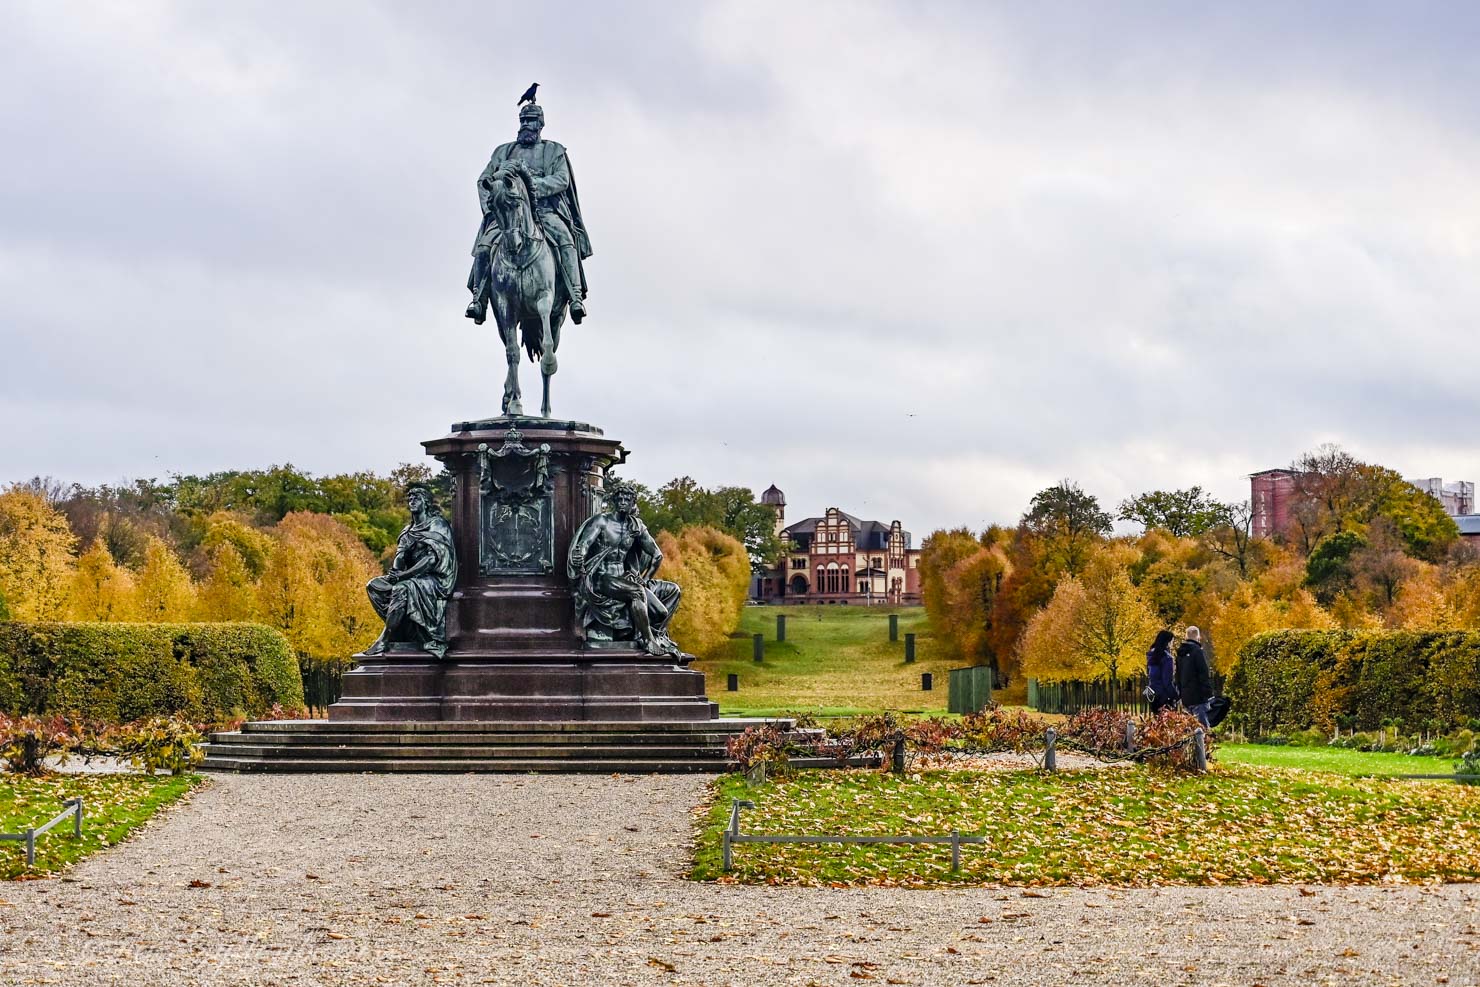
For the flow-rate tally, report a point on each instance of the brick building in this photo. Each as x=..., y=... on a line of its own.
x=1271, y=493
x=839, y=558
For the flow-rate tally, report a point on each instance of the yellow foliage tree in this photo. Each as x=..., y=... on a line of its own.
x=227, y=592
x=713, y=570
x=1096, y=625
x=163, y=591
x=313, y=588
x=100, y=589
x=252, y=546
x=36, y=556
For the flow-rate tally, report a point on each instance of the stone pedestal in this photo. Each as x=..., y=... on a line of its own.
x=523, y=486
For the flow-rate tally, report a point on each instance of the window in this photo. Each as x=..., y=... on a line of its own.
x=799, y=563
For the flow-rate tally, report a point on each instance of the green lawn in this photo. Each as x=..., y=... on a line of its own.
x=835, y=660
x=1125, y=827
x=113, y=806
x=1334, y=759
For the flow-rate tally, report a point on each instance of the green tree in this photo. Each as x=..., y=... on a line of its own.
x=1328, y=570
x=1184, y=513
x=682, y=503
x=1070, y=521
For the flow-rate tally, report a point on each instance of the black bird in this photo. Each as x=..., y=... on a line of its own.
x=528, y=96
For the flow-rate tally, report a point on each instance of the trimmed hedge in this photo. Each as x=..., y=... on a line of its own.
x=1419, y=680
x=116, y=673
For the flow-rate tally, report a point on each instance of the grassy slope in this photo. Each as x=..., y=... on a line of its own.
x=1237, y=824
x=1334, y=759
x=835, y=659
x=113, y=806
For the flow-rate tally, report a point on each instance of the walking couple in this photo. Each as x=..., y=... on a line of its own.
x=1185, y=678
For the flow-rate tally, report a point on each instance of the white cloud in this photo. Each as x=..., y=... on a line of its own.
x=916, y=264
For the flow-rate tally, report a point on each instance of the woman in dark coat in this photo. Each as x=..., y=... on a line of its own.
x=1161, y=672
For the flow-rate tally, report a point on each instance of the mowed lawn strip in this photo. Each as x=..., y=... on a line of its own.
x=835, y=660
x=1336, y=760
x=113, y=806
x=1123, y=827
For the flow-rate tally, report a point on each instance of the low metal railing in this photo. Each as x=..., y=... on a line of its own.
x=28, y=837
x=732, y=835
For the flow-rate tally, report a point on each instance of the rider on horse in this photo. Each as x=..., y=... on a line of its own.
x=556, y=204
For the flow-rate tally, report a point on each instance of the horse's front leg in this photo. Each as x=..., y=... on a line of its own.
x=508, y=331
x=548, y=364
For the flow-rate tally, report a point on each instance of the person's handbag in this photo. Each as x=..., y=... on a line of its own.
x=1149, y=693
x=1218, y=708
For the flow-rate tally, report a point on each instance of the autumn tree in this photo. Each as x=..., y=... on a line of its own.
x=1231, y=533
x=1183, y=513
x=163, y=591
x=713, y=570
x=227, y=592
x=1096, y=625
x=1069, y=521
x=36, y=556
x=682, y=503
x=313, y=589
x=101, y=589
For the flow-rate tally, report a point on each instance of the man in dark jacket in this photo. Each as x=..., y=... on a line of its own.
x=1194, y=680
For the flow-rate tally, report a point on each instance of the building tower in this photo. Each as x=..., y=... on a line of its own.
x=776, y=501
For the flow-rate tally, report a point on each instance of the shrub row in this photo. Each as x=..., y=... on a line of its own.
x=116, y=673
x=1363, y=680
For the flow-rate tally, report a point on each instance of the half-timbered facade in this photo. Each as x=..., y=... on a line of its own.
x=840, y=558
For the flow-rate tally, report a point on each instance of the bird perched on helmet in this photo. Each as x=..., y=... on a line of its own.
x=528, y=96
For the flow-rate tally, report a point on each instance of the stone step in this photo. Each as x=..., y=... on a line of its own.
x=445, y=752
x=349, y=736
x=724, y=727
x=466, y=765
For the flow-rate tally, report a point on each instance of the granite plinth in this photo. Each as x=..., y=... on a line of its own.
x=514, y=653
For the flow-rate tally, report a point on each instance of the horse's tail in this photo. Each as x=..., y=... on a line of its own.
x=532, y=335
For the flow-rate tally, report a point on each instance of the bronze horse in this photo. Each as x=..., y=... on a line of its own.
x=529, y=304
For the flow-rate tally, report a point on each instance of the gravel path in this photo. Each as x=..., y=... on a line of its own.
x=408, y=879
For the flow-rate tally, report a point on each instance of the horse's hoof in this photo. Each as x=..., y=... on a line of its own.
x=548, y=365
x=514, y=409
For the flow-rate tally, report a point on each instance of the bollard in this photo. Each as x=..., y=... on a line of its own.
x=898, y=765
x=758, y=647
x=909, y=648
x=1130, y=737
x=1050, y=756
x=927, y=682
x=894, y=627
x=781, y=627
x=955, y=850
x=1199, y=751
x=732, y=682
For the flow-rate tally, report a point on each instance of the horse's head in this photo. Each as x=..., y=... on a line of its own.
x=512, y=191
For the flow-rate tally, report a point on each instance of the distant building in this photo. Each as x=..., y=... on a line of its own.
x=839, y=558
x=1469, y=527
x=1457, y=497
x=1270, y=493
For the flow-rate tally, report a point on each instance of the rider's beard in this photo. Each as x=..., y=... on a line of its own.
x=528, y=135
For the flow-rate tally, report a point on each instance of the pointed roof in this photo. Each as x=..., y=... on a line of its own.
x=773, y=497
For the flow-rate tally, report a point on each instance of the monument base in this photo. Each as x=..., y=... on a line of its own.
x=619, y=687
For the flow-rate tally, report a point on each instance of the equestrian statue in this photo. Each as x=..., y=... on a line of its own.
x=528, y=252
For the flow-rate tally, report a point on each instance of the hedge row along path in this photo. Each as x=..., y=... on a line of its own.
x=414, y=880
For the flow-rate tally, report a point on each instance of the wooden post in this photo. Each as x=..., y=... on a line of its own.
x=893, y=627
x=909, y=648
x=1130, y=737
x=1050, y=756
x=898, y=759
x=758, y=647
x=1199, y=751
x=732, y=682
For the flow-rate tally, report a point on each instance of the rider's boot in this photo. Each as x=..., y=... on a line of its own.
x=477, y=309
x=570, y=269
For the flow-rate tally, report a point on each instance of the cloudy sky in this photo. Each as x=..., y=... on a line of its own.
x=915, y=261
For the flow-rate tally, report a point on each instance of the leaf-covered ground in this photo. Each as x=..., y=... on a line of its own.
x=113, y=806
x=1128, y=827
